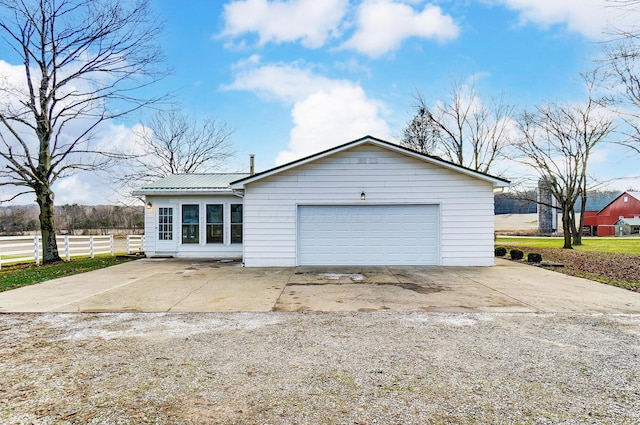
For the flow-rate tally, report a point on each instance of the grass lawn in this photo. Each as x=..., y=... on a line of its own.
x=614, y=261
x=590, y=244
x=12, y=277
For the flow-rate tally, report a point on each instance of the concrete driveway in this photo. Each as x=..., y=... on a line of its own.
x=179, y=285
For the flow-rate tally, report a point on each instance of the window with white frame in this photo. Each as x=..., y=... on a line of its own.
x=215, y=223
x=236, y=223
x=190, y=223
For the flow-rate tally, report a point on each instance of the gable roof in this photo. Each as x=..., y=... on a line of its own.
x=497, y=181
x=635, y=195
x=191, y=183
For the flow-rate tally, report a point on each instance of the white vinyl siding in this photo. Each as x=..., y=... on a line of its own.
x=368, y=235
x=387, y=178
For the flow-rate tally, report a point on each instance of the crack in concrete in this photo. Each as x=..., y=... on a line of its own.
x=187, y=296
x=274, y=307
x=537, y=309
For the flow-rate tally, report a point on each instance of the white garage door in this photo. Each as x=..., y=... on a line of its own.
x=368, y=235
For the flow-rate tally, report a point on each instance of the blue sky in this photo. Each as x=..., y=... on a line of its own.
x=294, y=77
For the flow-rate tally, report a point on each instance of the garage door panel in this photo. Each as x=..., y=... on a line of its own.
x=368, y=235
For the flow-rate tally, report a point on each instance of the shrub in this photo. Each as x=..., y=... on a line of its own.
x=516, y=254
x=500, y=251
x=534, y=257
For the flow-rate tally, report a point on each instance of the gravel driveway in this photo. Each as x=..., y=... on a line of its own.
x=320, y=368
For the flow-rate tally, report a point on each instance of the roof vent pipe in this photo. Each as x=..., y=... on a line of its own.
x=251, y=164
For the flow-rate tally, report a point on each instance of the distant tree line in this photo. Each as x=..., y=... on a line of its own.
x=514, y=203
x=525, y=202
x=74, y=219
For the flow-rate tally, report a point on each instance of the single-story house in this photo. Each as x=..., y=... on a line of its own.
x=366, y=202
x=605, y=221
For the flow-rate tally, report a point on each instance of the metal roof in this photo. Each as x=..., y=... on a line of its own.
x=630, y=221
x=191, y=183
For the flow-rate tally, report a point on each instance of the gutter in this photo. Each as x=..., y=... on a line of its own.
x=181, y=191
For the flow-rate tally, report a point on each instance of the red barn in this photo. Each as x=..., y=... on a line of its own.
x=603, y=222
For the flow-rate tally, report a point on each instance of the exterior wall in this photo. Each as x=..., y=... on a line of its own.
x=154, y=247
x=606, y=230
x=386, y=177
x=590, y=218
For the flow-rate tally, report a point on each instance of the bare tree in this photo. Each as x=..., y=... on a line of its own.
x=16, y=220
x=71, y=218
x=171, y=142
x=557, y=141
x=463, y=130
x=83, y=61
x=622, y=64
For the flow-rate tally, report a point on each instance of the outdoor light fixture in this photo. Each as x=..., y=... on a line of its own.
x=363, y=196
x=149, y=205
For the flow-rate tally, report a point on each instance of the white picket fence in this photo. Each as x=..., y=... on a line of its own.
x=26, y=249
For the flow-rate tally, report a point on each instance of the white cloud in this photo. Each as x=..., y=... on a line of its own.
x=75, y=189
x=325, y=112
x=96, y=187
x=284, y=82
x=382, y=26
x=310, y=21
x=330, y=118
x=591, y=18
x=119, y=138
x=12, y=83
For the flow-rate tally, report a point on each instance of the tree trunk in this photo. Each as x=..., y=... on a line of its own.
x=576, y=229
x=566, y=226
x=577, y=235
x=47, y=227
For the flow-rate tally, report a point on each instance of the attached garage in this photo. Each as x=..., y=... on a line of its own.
x=368, y=202
x=368, y=235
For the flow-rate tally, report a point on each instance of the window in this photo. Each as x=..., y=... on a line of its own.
x=236, y=223
x=215, y=222
x=165, y=224
x=190, y=223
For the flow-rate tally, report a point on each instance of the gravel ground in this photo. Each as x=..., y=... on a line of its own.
x=319, y=368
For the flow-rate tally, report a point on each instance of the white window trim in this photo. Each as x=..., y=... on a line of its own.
x=224, y=216
x=202, y=222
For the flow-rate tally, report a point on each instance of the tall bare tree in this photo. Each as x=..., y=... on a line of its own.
x=622, y=62
x=172, y=142
x=462, y=130
x=83, y=62
x=557, y=140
